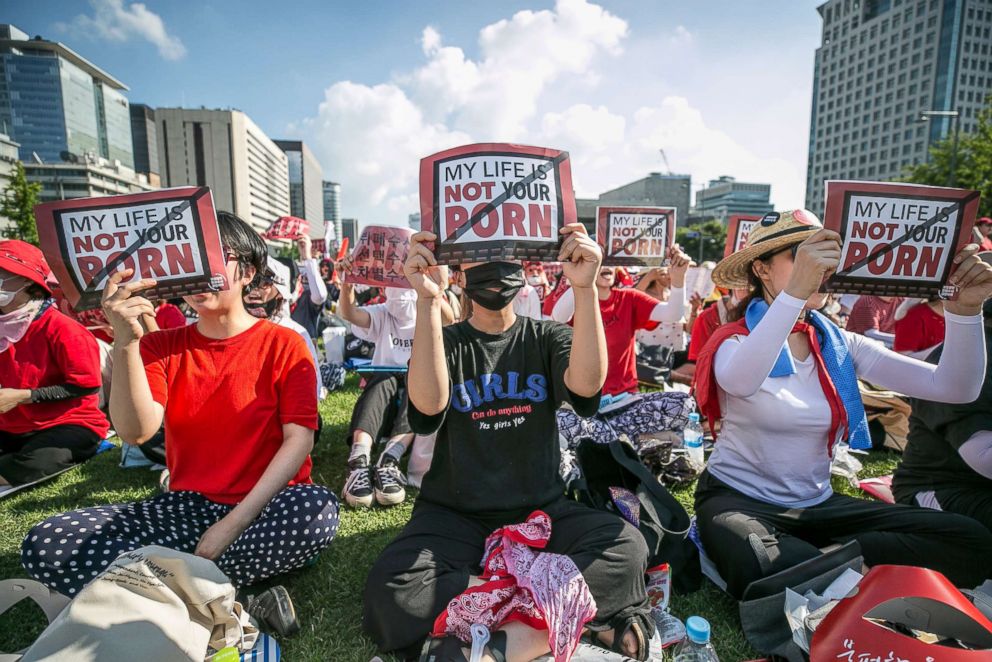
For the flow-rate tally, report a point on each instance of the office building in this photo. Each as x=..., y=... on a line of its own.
x=655, y=190
x=87, y=177
x=881, y=63
x=306, y=195
x=332, y=206
x=144, y=139
x=223, y=149
x=55, y=103
x=725, y=197
x=8, y=159
x=413, y=220
x=349, y=231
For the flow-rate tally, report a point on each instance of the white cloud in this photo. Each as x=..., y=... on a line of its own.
x=115, y=21
x=682, y=37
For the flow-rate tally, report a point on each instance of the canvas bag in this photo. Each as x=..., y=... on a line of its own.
x=664, y=523
x=154, y=604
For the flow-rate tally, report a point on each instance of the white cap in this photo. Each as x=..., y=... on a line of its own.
x=280, y=277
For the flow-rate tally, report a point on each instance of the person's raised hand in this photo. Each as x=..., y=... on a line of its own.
x=680, y=263
x=344, y=267
x=124, y=308
x=421, y=268
x=304, y=246
x=580, y=256
x=816, y=260
x=973, y=278
x=695, y=302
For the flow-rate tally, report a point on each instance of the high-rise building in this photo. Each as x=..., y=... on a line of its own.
x=881, y=63
x=8, y=159
x=725, y=197
x=55, y=103
x=332, y=206
x=655, y=190
x=349, y=230
x=223, y=149
x=86, y=177
x=306, y=195
x=144, y=138
x=413, y=220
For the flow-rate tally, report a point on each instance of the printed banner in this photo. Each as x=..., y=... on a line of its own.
x=738, y=228
x=379, y=256
x=699, y=280
x=496, y=201
x=287, y=227
x=898, y=239
x=169, y=235
x=635, y=236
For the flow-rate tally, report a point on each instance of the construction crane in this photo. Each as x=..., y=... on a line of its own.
x=668, y=168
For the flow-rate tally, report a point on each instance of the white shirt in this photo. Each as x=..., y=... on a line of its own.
x=393, y=341
x=773, y=441
x=666, y=334
x=527, y=302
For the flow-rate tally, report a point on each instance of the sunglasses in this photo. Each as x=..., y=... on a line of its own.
x=793, y=249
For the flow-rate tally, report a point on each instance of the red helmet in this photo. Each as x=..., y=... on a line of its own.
x=23, y=259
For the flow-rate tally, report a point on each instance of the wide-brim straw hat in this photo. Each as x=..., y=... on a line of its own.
x=775, y=231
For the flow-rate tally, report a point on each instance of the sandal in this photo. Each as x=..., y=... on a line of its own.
x=636, y=625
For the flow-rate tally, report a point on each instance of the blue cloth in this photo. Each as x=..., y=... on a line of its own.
x=836, y=358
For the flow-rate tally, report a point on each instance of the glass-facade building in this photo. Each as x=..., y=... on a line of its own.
x=726, y=197
x=306, y=191
x=53, y=102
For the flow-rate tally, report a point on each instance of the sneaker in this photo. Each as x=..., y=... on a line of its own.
x=358, y=487
x=389, y=482
x=273, y=610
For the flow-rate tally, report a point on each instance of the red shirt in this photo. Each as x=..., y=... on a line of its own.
x=706, y=323
x=168, y=316
x=226, y=402
x=55, y=350
x=870, y=312
x=625, y=311
x=920, y=329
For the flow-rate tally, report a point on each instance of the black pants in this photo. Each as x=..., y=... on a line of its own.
x=381, y=408
x=972, y=501
x=430, y=562
x=154, y=448
x=25, y=458
x=749, y=539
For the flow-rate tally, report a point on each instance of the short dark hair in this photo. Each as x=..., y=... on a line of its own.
x=241, y=240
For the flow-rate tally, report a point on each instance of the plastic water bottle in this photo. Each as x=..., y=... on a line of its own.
x=696, y=646
x=692, y=440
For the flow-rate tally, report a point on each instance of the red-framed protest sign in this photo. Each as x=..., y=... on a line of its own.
x=169, y=235
x=898, y=239
x=635, y=236
x=496, y=201
x=379, y=256
x=738, y=228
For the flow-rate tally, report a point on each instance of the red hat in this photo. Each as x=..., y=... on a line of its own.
x=984, y=220
x=23, y=259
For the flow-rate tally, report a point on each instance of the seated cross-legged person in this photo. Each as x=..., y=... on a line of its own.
x=490, y=386
x=237, y=397
x=784, y=380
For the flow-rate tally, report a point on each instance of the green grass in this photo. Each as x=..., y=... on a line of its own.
x=327, y=595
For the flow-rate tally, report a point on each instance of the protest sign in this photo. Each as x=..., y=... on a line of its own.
x=318, y=248
x=287, y=227
x=898, y=239
x=496, y=201
x=169, y=235
x=379, y=256
x=699, y=280
x=738, y=228
x=635, y=236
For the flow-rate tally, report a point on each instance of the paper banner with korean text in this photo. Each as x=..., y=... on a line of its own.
x=898, y=239
x=738, y=228
x=635, y=236
x=379, y=256
x=169, y=235
x=699, y=280
x=496, y=201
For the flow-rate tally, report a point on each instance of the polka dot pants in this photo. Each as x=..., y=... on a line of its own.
x=66, y=551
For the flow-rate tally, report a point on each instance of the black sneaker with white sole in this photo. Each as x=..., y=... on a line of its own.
x=358, y=488
x=273, y=610
x=389, y=481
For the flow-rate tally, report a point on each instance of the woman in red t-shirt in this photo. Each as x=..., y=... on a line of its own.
x=237, y=399
x=920, y=329
x=49, y=375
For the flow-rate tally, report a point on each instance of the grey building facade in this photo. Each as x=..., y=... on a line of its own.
x=655, y=190
x=349, y=231
x=880, y=64
x=306, y=192
x=725, y=197
x=332, y=206
x=144, y=139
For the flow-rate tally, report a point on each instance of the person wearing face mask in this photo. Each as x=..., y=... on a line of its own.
x=381, y=409
x=528, y=300
x=49, y=375
x=237, y=397
x=490, y=386
x=783, y=379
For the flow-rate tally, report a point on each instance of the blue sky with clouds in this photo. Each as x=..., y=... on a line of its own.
x=724, y=87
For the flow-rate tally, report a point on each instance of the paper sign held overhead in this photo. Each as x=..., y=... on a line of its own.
x=496, y=201
x=379, y=256
x=169, y=235
x=738, y=229
x=635, y=236
x=898, y=239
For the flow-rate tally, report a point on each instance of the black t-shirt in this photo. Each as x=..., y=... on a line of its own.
x=497, y=442
x=936, y=432
x=306, y=313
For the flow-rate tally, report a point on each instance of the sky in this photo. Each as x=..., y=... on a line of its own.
x=723, y=86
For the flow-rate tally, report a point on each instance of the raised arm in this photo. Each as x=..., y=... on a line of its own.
x=580, y=257
x=309, y=266
x=347, y=309
x=427, y=380
x=673, y=309
x=135, y=414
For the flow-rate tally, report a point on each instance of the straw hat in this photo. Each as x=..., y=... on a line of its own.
x=775, y=231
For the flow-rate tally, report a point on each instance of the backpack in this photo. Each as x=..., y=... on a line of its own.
x=663, y=521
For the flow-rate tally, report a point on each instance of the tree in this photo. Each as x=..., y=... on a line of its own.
x=974, y=161
x=713, y=235
x=17, y=205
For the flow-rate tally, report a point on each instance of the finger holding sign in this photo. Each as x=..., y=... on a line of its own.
x=580, y=256
x=123, y=309
x=421, y=267
x=680, y=264
x=816, y=258
x=974, y=280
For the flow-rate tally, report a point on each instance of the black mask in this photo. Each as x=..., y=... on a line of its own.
x=269, y=307
x=507, y=277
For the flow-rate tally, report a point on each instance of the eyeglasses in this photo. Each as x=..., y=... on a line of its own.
x=793, y=249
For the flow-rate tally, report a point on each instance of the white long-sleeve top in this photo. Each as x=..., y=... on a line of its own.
x=666, y=311
x=317, y=287
x=773, y=440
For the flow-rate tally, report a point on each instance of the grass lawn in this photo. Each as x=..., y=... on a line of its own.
x=328, y=595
